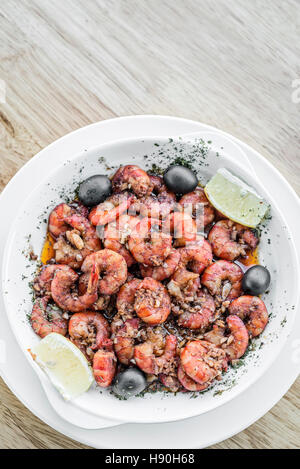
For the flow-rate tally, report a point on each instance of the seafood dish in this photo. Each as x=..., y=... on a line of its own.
x=155, y=286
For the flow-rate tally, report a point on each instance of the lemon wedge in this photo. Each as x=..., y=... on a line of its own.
x=67, y=368
x=235, y=199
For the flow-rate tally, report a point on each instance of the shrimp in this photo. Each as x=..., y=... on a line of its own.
x=235, y=344
x=230, y=240
x=165, y=270
x=46, y=319
x=188, y=383
x=111, y=209
x=195, y=257
x=170, y=382
x=42, y=283
x=159, y=205
x=102, y=302
x=132, y=177
x=57, y=224
x=152, y=302
x=198, y=313
x=116, y=234
x=124, y=340
x=223, y=279
x=148, y=244
x=79, y=242
x=112, y=265
x=126, y=298
x=253, y=309
x=89, y=331
x=61, y=291
x=182, y=226
x=203, y=361
x=149, y=363
x=104, y=367
x=197, y=203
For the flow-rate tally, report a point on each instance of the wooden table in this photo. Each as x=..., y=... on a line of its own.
x=229, y=63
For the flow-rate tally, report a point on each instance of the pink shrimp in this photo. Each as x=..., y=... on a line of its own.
x=152, y=302
x=110, y=210
x=102, y=302
x=104, y=367
x=112, y=265
x=148, y=244
x=57, y=224
x=149, y=363
x=124, y=340
x=78, y=243
x=230, y=240
x=116, y=234
x=253, y=309
x=46, y=319
x=235, y=343
x=165, y=270
x=61, y=287
x=42, y=283
x=197, y=203
x=89, y=331
x=134, y=178
x=188, y=383
x=159, y=205
x=198, y=313
x=182, y=226
x=223, y=279
x=126, y=297
x=203, y=361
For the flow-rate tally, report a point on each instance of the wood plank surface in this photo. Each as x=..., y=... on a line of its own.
x=228, y=63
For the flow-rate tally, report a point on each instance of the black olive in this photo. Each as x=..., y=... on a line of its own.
x=129, y=383
x=180, y=179
x=94, y=190
x=256, y=280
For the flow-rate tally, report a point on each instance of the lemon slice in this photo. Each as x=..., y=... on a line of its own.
x=235, y=199
x=67, y=368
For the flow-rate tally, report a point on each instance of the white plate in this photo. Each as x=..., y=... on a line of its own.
x=121, y=436
x=62, y=180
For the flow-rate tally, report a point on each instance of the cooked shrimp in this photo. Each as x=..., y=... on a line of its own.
x=126, y=297
x=57, y=223
x=104, y=367
x=134, y=178
x=159, y=205
x=182, y=226
x=170, y=382
x=254, y=310
x=102, y=302
x=235, y=343
x=188, y=383
x=165, y=270
x=124, y=340
x=198, y=313
x=223, y=279
x=112, y=265
x=61, y=287
x=116, y=234
x=196, y=257
x=149, y=363
x=240, y=338
x=199, y=207
x=148, y=244
x=110, y=210
x=203, y=361
x=77, y=243
x=230, y=240
x=42, y=283
x=47, y=318
x=152, y=302
x=89, y=331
